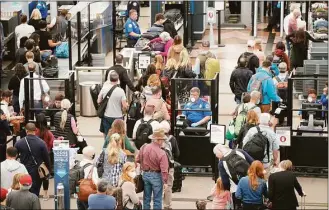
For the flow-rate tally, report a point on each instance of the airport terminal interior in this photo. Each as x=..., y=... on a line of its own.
x=228, y=35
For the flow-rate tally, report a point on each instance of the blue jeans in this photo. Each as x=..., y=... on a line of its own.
x=152, y=183
x=106, y=124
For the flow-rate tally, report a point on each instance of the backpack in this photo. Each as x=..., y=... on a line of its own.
x=141, y=44
x=117, y=194
x=256, y=84
x=144, y=130
x=257, y=146
x=168, y=149
x=237, y=165
x=135, y=108
x=282, y=87
x=158, y=46
x=277, y=59
x=75, y=175
x=240, y=120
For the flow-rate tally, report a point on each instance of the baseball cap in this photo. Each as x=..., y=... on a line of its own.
x=25, y=180
x=3, y=193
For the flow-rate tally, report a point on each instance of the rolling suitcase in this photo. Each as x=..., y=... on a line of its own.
x=178, y=178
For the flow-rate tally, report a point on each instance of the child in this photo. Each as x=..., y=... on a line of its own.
x=222, y=198
x=201, y=204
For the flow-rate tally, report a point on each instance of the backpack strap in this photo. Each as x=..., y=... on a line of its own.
x=253, y=107
x=278, y=79
x=82, y=172
x=150, y=121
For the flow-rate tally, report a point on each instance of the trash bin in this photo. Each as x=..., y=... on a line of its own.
x=87, y=108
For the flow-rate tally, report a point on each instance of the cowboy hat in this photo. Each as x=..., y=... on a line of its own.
x=158, y=133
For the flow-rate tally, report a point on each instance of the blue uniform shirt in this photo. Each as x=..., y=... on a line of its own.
x=42, y=6
x=131, y=26
x=196, y=116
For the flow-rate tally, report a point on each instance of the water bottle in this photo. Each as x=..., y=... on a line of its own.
x=60, y=196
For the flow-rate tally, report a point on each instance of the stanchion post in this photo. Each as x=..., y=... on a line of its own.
x=219, y=29
x=79, y=38
x=26, y=100
x=89, y=36
x=114, y=22
x=70, y=44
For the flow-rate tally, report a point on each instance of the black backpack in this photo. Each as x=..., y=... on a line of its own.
x=135, y=108
x=144, y=130
x=75, y=175
x=237, y=166
x=257, y=145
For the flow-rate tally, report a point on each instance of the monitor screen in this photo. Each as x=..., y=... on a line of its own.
x=312, y=106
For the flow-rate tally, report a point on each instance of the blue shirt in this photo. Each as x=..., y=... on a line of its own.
x=324, y=101
x=101, y=201
x=248, y=195
x=131, y=26
x=268, y=88
x=196, y=116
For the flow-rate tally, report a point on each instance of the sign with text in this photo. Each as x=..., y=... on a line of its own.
x=217, y=134
x=211, y=15
x=283, y=136
x=144, y=59
x=61, y=151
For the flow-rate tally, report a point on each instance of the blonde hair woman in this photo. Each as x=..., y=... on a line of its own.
x=159, y=64
x=282, y=186
x=35, y=19
x=129, y=195
x=184, y=66
x=65, y=124
x=15, y=185
x=114, y=158
x=119, y=126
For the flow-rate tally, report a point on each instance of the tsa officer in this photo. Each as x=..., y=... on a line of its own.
x=133, y=33
x=197, y=118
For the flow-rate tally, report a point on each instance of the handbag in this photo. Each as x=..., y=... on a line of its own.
x=45, y=98
x=102, y=106
x=100, y=164
x=62, y=50
x=87, y=187
x=42, y=168
x=139, y=182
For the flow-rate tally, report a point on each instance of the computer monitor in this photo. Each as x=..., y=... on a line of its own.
x=312, y=106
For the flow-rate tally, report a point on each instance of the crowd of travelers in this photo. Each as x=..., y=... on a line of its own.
x=251, y=174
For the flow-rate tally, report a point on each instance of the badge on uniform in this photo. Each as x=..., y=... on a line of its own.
x=200, y=106
x=207, y=106
x=135, y=4
x=130, y=26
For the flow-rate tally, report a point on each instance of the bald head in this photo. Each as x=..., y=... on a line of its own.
x=30, y=128
x=119, y=59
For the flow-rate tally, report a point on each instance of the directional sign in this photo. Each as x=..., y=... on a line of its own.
x=283, y=136
x=211, y=15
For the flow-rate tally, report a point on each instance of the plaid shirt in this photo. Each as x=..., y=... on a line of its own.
x=112, y=172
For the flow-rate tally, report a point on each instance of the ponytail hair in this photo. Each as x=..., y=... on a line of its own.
x=65, y=104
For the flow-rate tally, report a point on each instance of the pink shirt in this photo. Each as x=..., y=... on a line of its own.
x=292, y=26
x=160, y=105
x=220, y=200
x=155, y=159
x=166, y=47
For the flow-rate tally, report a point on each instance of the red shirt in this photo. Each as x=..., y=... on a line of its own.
x=155, y=159
x=48, y=138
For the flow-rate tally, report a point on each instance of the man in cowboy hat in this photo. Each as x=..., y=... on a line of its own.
x=154, y=164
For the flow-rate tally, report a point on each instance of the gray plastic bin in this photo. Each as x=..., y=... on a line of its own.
x=87, y=108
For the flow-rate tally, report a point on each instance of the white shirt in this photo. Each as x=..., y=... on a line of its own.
x=5, y=109
x=23, y=30
x=286, y=23
x=36, y=88
x=154, y=124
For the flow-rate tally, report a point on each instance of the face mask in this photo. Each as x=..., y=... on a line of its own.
x=258, y=101
x=29, y=60
x=192, y=99
x=309, y=99
x=132, y=174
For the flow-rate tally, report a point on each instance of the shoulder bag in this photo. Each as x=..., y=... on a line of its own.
x=139, y=182
x=42, y=168
x=102, y=106
x=87, y=187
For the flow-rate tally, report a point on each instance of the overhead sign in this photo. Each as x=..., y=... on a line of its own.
x=283, y=136
x=211, y=15
x=217, y=134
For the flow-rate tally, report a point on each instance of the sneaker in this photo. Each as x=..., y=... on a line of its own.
x=46, y=197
